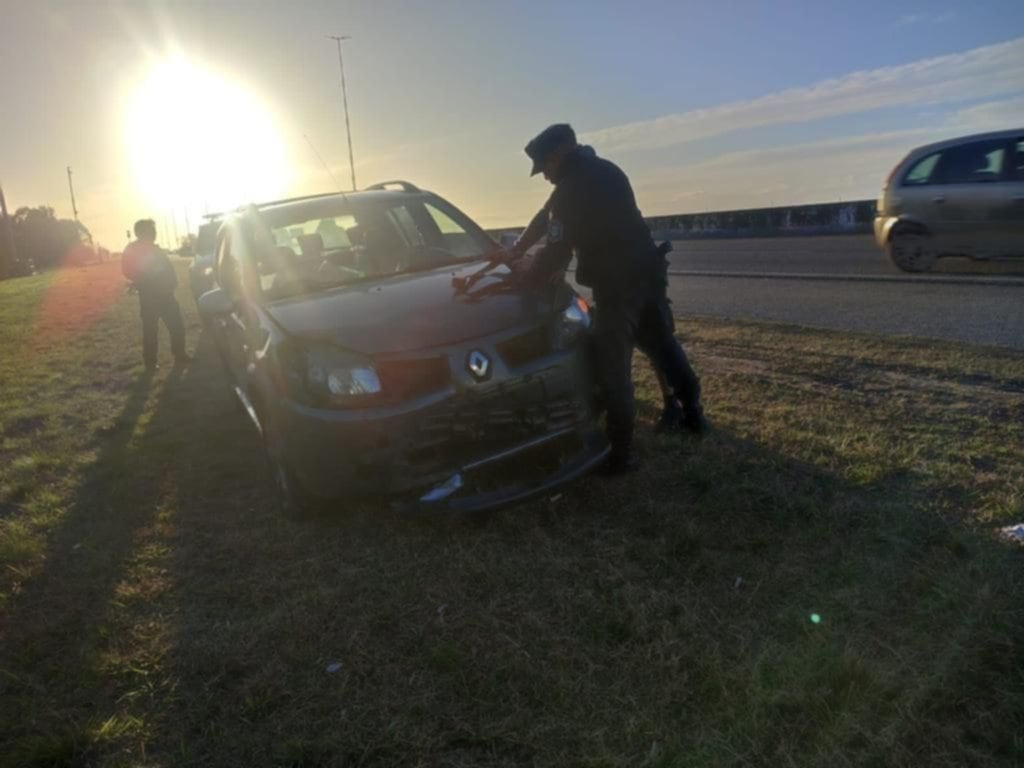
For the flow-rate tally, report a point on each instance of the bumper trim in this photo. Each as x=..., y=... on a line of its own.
x=597, y=451
x=522, y=447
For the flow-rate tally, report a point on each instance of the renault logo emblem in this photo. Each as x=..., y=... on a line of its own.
x=479, y=365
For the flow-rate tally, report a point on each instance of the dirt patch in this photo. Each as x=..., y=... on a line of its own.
x=965, y=388
x=22, y=426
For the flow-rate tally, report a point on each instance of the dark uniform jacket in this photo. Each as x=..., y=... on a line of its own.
x=148, y=267
x=592, y=212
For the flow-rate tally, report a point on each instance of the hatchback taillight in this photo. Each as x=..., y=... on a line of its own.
x=892, y=173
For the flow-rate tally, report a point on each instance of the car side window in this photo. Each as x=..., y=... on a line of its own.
x=974, y=163
x=1019, y=163
x=923, y=171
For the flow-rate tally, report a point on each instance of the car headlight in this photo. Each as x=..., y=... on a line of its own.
x=574, y=320
x=328, y=377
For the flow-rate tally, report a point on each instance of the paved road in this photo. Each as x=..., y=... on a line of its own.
x=973, y=314
x=955, y=306
x=837, y=255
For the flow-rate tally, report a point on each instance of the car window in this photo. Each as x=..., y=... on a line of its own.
x=455, y=238
x=206, y=238
x=1019, y=163
x=977, y=162
x=406, y=224
x=922, y=171
x=314, y=253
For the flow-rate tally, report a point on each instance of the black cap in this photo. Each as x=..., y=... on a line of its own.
x=547, y=141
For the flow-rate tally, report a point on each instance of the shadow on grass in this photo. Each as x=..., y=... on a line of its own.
x=666, y=617
x=57, y=635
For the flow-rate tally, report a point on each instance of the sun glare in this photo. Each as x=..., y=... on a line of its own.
x=200, y=142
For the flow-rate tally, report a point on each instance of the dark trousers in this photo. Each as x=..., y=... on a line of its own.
x=656, y=338
x=637, y=319
x=157, y=306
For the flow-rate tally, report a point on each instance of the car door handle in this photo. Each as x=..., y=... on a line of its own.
x=939, y=199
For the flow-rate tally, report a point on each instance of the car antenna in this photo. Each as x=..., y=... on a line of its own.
x=326, y=167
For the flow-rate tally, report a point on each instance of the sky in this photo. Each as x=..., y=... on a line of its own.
x=174, y=109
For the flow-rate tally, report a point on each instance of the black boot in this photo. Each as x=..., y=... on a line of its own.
x=671, y=419
x=695, y=421
x=620, y=462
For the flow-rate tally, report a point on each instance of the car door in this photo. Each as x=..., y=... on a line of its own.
x=1012, y=243
x=969, y=200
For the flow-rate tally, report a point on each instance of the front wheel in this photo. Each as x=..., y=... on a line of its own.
x=290, y=498
x=912, y=252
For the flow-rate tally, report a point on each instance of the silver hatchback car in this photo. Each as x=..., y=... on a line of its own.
x=962, y=197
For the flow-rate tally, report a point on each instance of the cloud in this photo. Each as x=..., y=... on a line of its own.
x=909, y=19
x=841, y=168
x=990, y=116
x=979, y=73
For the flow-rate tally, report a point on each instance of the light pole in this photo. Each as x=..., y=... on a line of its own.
x=344, y=99
x=71, y=187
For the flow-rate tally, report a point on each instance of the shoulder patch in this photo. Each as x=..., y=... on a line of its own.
x=554, y=230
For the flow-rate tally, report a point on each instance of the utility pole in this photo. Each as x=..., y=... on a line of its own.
x=344, y=99
x=71, y=186
x=10, y=257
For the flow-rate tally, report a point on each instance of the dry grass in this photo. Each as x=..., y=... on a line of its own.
x=154, y=611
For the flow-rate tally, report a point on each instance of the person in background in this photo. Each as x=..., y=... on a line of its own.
x=152, y=276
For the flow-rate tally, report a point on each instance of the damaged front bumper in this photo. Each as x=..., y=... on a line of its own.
x=464, y=491
x=471, y=447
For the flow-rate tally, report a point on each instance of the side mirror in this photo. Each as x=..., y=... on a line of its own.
x=507, y=239
x=215, y=303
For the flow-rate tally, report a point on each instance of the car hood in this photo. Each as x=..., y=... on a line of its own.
x=416, y=311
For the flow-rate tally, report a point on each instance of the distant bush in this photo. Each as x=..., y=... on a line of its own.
x=44, y=242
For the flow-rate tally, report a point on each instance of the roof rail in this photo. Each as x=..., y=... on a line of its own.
x=407, y=186
x=298, y=199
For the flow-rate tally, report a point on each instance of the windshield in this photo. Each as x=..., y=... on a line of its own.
x=309, y=253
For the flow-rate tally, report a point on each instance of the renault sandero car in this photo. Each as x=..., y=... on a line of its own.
x=963, y=197
x=382, y=348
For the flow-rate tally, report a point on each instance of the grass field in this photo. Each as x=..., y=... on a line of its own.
x=155, y=612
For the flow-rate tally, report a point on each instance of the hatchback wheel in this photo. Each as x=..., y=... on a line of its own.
x=912, y=252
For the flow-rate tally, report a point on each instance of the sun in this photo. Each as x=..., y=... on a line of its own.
x=201, y=142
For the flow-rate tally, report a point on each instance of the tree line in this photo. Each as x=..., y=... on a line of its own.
x=36, y=239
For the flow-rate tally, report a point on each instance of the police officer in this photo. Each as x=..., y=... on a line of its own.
x=592, y=212
x=671, y=418
x=152, y=275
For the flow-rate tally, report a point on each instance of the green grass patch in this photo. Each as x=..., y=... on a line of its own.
x=155, y=611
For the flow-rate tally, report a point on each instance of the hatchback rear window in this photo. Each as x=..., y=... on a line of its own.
x=973, y=163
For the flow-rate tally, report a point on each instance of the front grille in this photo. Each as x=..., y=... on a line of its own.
x=528, y=468
x=525, y=348
x=404, y=380
x=476, y=425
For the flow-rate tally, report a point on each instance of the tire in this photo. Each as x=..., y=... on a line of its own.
x=290, y=499
x=911, y=252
